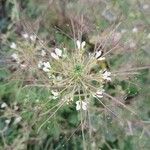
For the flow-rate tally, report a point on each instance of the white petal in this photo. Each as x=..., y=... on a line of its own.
x=33, y=37
x=83, y=44
x=54, y=97
x=3, y=105
x=145, y=6
x=45, y=69
x=58, y=52
x=78, y=105
x=54, y=56
x=7, y=121
x=59, y=78
x=40, y=64
x=135, y=30
x=98, y=54
x=99, y=96
x=78, y=44
x=17, y=120
x=14, y=56
x=84, y=105
x=13, y=45
x=108, y=79
x=99, y=92
x=23, y=66
x=54, y=93
x=47, y=64
x=25, y=35
x=106, y=74
x=78, y=102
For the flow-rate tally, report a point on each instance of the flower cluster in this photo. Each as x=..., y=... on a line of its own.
x=74, y=74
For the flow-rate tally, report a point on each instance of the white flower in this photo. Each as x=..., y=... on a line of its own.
x=98, y=54
x=13, y=45
x=99, y=93
x=40, y=64
x=7, y=121
x=81, y=104
x=145, y=6
x=25, y=35
x=3, y=105
x=55, y=94
x=16, y=107
x=15, y=57
x=59, y=78
x=135, y=30
x=54, y=56
x=58, y=52
x=46, y=66
x=17, y=120
x=80, y=45
x=106, y=75
x=43, y=53
x=33, y=37
x=23, y=66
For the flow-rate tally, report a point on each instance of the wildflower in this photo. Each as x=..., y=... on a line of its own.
x=23, y=66
x=16, y=107
x=13, y=45
x=46, y=66
x=98, y=54
x=25, y=35
x=7, y=121
x=55, y=94
x=33, y=37
x=106, y=75
x=3, y=105
x=17, y=120
x=40, y=64
x=135, y=30
x=99, y=93
x=59, y=78
x=15, y=57
x=145, y=6
x=81, y=104
x=80, y=45
x=57, y=53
